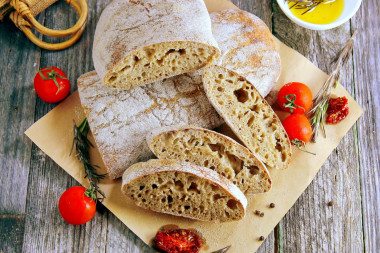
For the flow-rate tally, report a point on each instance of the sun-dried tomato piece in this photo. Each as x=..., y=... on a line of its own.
x=337, y=110
x=178, y=240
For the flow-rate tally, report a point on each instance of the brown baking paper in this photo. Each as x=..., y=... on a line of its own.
x=53, y=134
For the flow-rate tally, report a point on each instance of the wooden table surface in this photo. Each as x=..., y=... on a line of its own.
x=31, y=183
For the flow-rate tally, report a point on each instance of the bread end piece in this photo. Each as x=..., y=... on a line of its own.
x=183, y=189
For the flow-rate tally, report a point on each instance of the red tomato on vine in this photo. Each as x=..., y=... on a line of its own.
x=51, y=84
x=295, y=98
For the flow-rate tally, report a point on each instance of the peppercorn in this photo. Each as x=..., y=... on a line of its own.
x=261, y=238
x=261, y=214
x=272, y=205
x=331, y=203
x=257, y=212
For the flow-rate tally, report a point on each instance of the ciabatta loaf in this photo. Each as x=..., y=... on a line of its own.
x=247, y=47
x=248, y=115
x=183, y=189
x=120, y=119
x=214, y=151
x=138, y=42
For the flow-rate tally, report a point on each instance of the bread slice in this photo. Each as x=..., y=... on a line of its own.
x=120, y=119
x=247, y=47
x=183, y=189
x=139, y=42
x=248, y=114
x=212, y=150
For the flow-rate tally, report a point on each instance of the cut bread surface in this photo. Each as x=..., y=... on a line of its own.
x=159, y=61
x=183, y=189
x=248, y=115
x=214, y=151
x=139, y=42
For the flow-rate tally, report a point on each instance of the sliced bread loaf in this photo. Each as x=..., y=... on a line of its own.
x=183, y=189
x=214, y=151
x=120, y=119
x=247, y=47
x=248, y=115
x=139, y=42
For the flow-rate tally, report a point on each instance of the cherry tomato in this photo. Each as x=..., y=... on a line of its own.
x=51, y=84
x=295, y=98
x=298, y=128
x=178, y=240
x=75, y=207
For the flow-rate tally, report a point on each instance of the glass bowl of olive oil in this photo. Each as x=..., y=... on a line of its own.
x=319, y=14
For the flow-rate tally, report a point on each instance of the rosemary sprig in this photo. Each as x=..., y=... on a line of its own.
x=320, y=102
x=82, y=147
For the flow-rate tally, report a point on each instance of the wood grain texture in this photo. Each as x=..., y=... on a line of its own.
x=311, y=225
x=366, y=90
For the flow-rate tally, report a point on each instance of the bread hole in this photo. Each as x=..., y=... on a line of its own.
x=235, y=162
x=216, y=148
x=136, y=58
x=251, y=120
x=160, y=181
x=232, y=204
x=254, y=170
x=229, y=80
x=220, y=76
x=182, y=51
x=170, y=199
x=142, y=187
x=187, y=207
x=216, y=197
x=255, y=108
x=112, y=79
x=227, y=214
x=139, y=195
x=283, y=156
x=143, y=74
x=241, y=79
x=214, y=188
x=144, y=200
x=147, y=65
x=178, y=185
x=221, y=102
x=163, y=200
x=193, y=188
x=149, y=52
x=221, y=89
x=139, y=78
x=206, y=163
x=160, y=61
x=125, y=68
x=212, y=168
x=278, y=145
x=218, y=81
x=241, y=95
x=154, y=186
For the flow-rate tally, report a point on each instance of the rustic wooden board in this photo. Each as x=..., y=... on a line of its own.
x=31, y=183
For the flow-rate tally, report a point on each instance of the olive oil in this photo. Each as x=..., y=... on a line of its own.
x=324, y=13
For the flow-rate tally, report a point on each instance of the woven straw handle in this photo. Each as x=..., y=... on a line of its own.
x=24, y=20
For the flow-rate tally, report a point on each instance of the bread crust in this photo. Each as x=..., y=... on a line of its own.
x=129, y=27
x=247, y=47
x=120, y=119
x=237, y=159
x=156, y=166
x=249, y=116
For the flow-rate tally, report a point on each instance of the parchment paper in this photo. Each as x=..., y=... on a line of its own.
x=53, y=134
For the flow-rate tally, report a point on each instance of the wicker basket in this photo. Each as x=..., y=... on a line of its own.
x=22, y=13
